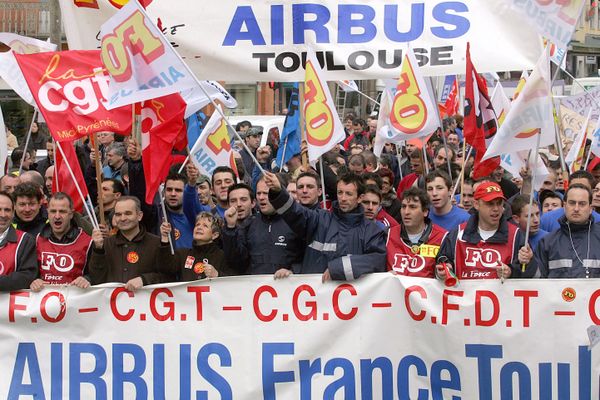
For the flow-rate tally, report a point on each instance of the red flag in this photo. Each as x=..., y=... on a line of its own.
x=480, y=120
x=63, y=181
x=162, y=125
x=70, y=89
x=451, y=104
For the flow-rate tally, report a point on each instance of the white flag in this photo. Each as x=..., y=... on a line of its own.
x=213, y=149
x=196, y=99
x=9, y=69
x=25, y=45
x=555, y=20
x=578, y=143
x=3, y=145
x=413, y=112
x=384, y=134
x=348, y=86
x=530, y=114
x=323, y=126
x=595, y=147
x=142, y=64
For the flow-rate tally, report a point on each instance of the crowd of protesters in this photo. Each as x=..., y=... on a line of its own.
x=409, y=211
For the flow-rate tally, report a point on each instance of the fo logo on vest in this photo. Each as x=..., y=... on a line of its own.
x=488, y=258
x=60, y=262
x=404, y=262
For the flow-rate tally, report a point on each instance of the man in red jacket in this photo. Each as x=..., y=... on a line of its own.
x=413, y=246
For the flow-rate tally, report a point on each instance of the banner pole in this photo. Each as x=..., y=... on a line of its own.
x=99, y=179
x=425, y=161
x=448, y=162
x=301, y=121
x=461, y=178
x=164, y=211
x=35, y=111
x=322, y=183
x=533, y=171
x=75, y=183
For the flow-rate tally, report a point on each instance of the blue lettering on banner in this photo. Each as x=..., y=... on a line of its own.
x=86, y=366
x=356, y=23
x=506, y=159
x=165, y=78
x=205, y=160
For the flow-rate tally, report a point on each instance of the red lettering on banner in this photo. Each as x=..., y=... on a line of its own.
x=312, y=305
x=198, y=290
x=479, y=321
x=409, y=290
x=446, y=305
x=336, y=302
x=259, y=314
x=526, y=295
x=62, y=310
x=113, y=304
x=592, y=307
x=13, y=306
x=169, y=305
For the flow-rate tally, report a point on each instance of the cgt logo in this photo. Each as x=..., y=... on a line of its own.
x=404, y=262
x=60, y=262
x=118, y=4
x=488, y=258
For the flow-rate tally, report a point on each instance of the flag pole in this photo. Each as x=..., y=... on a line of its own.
x=301, y=121
x=283, y=153
x=462, y=171
x=322, y=183
x=533, y=171
x=99, y=179
x=75, y=183
x=164, y=211
x=461, y=178
x=399, y=157
x=425, y=161
x=187, y=158
x=91, y=206
x=212, y=101
x=35, y=111
x=435, y=96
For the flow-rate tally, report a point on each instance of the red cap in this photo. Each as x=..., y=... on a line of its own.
x=488, y=191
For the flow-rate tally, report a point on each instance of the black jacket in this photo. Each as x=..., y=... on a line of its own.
x=263, y=244
x=187, y=264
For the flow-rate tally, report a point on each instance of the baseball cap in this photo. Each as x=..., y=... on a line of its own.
x=488, y=191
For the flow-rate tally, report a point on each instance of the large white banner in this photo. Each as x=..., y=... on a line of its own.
x=382, y=337
x=266, y=41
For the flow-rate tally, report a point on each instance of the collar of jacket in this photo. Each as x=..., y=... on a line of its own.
x=424, y=237
x=205, y=247
x=471, y=232
x=575, y=227
x=40, y=218
x=121, y=240
x=11, y=236
x=68, y=237
x=353, y=217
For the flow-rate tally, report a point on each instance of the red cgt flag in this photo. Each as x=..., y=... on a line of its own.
x=63, y=181
x=70, y=89
x=480, y=120
x=162, y=130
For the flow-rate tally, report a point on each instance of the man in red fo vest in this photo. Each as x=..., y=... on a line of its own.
x=487, y=246
x=63, y=248
x=18, y=266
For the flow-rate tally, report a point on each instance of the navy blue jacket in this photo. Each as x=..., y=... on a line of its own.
x=556, y=257
x=262, y=244
x=347, y=244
